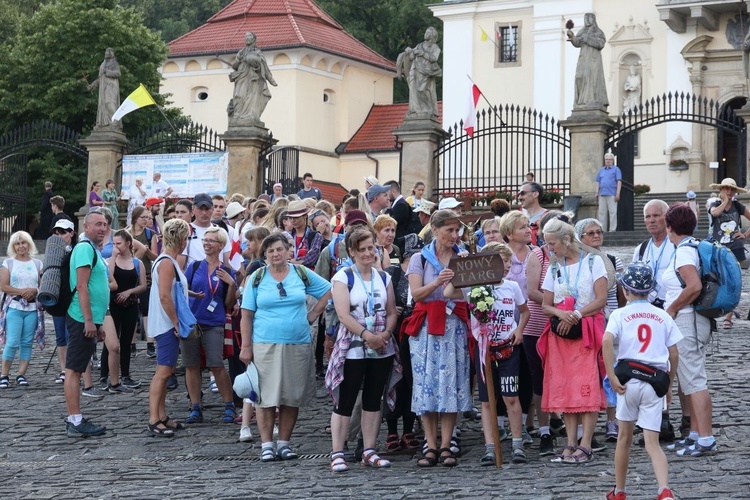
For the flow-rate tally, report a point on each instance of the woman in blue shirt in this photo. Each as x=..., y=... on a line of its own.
x=212, y=295
x=276, y=336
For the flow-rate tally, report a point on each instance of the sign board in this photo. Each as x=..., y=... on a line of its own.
x=186, y=173
x=478, y=269
x=713, y=164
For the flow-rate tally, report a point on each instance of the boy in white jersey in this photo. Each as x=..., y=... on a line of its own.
x=648, y=336
x=505, y=335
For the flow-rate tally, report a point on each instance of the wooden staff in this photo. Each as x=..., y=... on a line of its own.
x=490, y=384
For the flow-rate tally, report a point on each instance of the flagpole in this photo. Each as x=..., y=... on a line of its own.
x=502, y=123
x=165, y=117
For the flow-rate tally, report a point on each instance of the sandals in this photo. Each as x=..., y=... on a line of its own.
x=230, y=413
x=448, y=460
x=392, y=443
x=4, y=382
x=196, y=414
x=155, y=431
x=585, y=456
x=171, y=424
x=371, y=459
x=728, y=323
x=562, y=456
x=266, y=455
x=60, y=378
x=338, y=463
x=428, y=461
x=21, y=381
x=286, y=453
x=409, y=442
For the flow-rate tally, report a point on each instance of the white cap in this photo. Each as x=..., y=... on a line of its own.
x=449, y=202
x=64, y=224
x=234, y=209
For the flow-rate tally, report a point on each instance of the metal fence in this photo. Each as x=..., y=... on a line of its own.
x=13, y=197
x=508, y=142
x=282, y=165
x=184, y=137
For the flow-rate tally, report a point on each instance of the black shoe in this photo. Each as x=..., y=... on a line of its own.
x=546, y=445
x=666, y=433
x=104, y=383
x=172, y=383
x=129, y=382
x=150, y=351
x=359, y=450
x=557, y=427
x=596, y=445
x=84, y=429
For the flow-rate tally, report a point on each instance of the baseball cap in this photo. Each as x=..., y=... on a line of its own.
x=375, y=190
x=155, y=201
x=64, y=224
x=234, y=209
x=449, y=202
x=202, y=199
x=355, y=217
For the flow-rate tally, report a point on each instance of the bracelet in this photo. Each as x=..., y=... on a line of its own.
x=578, y=313
x=362, y=332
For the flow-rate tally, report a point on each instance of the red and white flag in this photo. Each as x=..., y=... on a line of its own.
x=471, y=119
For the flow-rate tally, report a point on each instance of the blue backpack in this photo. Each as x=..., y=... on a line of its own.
x=721, y=277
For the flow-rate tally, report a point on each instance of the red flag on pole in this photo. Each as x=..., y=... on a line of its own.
x=471, y=118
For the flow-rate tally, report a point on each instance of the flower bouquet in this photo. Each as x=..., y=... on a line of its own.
x=481, y=301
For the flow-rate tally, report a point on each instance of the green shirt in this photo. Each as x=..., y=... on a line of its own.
x=83, y=256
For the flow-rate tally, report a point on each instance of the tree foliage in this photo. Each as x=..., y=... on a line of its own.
x=386, y=26
x=172, y=18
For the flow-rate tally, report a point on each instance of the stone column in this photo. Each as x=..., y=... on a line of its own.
x=419, y=138
x=105, y=147
x=588, y=131
x=244, y=144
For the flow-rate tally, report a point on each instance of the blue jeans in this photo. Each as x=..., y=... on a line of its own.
x=61, y=331
x=20, y=327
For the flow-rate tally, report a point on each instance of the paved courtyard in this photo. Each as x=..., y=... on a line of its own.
x=38, y=461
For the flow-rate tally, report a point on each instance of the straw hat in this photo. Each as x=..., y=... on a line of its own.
x=728, y=183
x=297, y=208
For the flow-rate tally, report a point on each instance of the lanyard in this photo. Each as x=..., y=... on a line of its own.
x=371, y=295
x=208, y=278
x=573, y=291
x=298, y=247
x=651, y=254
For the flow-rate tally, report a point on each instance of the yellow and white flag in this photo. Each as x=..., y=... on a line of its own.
x=139, y=98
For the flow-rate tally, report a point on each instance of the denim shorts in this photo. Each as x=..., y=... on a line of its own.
x=167, y=348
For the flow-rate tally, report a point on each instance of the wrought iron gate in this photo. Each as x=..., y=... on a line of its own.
x=281, y=165
x=677, y=107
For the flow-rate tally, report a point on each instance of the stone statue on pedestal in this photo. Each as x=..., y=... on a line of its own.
x=108, y=83
x=590, y=86
x=251, y=77
x=632, y=88
x=419, y=66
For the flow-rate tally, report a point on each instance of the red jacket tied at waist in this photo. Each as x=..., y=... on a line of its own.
x=435, y=314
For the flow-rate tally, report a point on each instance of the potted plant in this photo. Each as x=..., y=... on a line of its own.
x=641, y=189
x=678, y=165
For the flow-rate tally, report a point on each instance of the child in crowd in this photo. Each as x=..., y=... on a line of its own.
x=505, y=334
x=648, y=339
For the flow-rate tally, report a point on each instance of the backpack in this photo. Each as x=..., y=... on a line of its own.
x=333, y=251
x=332, y=318
x=300, y=270
x=721, y=277
x=66, y=293
x=194, y=267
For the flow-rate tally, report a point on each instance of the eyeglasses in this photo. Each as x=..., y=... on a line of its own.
x=282, y=292
x=145, y=217
x=596, y=232
x=524, y=192
x=210, y=242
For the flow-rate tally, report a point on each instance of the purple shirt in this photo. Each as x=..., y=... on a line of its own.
x=94, y=197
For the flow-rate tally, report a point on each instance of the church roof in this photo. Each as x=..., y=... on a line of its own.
x=376, y=133
x=277, y=24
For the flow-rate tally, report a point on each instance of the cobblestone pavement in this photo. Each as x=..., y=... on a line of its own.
x=38, y=461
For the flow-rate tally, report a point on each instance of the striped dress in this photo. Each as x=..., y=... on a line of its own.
x=538, y=319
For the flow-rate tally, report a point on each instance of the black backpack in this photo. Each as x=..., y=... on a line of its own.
x=66, y=293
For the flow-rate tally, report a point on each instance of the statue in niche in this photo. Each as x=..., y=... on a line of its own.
x=419, y=66
x=590, y=86
x=251, y=77
x=632, y=89
x=108, y=83
x=746, y=57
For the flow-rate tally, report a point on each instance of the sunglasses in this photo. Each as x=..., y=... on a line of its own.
x=282, y=292
x=596, y=232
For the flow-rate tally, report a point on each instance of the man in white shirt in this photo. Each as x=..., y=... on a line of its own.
x=202, y=210
x=160, y=189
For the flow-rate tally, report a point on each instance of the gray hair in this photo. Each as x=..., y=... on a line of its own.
x=581, y=226
x=609, y=155
x=661, y=203
x=560, y=230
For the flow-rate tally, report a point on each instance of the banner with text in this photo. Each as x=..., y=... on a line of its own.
x=186, y=173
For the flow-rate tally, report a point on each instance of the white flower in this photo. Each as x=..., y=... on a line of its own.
x=482, y=306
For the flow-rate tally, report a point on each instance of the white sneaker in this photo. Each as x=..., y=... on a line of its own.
x=245, y=435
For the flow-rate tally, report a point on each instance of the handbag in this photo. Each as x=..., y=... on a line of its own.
x=575, y=332
x=632, y=368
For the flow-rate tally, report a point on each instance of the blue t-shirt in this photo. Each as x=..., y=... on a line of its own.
x=213, y=289
x=313, y=193
x=607, y=179
x=282, y=320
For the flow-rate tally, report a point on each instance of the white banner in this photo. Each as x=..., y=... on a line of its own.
x=186, y=173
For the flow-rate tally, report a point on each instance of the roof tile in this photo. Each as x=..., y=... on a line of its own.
x=277, y=24
x=376, y=134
